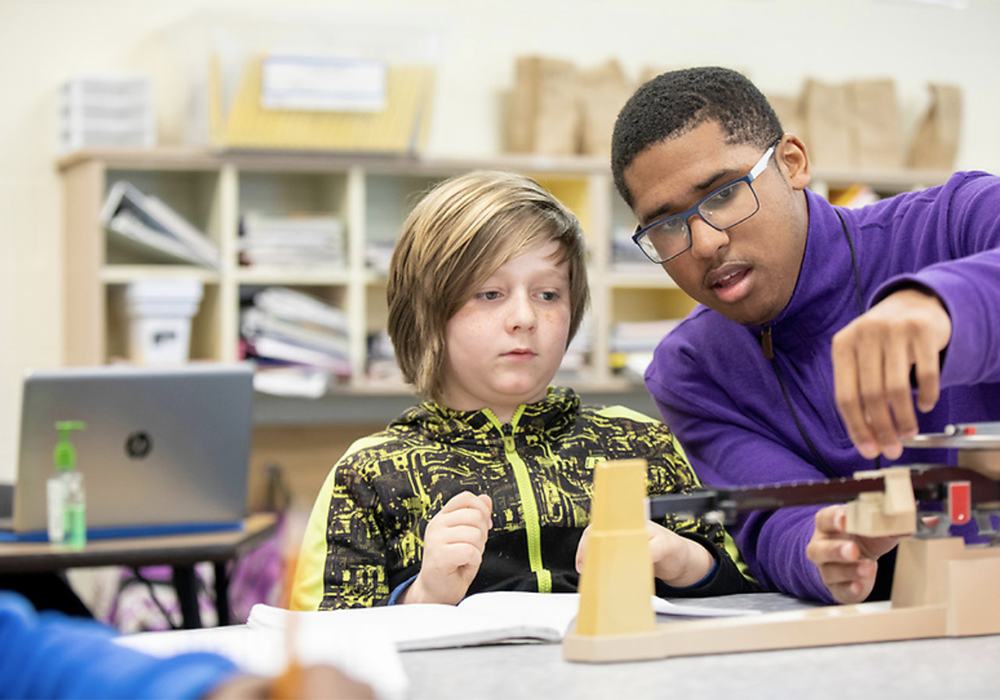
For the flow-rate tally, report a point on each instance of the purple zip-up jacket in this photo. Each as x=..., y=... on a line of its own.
x=723, y=399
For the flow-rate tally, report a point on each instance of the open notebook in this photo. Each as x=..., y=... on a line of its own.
x=481, y=618
x=367, y=641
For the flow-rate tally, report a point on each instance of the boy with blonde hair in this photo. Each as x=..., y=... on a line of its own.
x=486, y=485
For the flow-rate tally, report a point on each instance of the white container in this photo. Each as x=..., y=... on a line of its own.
x=106, y=111
x=159, y=313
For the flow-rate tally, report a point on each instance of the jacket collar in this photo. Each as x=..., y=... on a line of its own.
x=553, y=413
x=826, y=285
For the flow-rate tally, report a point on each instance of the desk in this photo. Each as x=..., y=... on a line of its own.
x=180, y=552
x=936, y=668
x=954, y=667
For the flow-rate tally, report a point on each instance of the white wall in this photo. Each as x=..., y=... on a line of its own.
x=778, y=42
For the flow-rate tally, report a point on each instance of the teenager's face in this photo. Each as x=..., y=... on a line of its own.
x=747, y=272
x=505, y=344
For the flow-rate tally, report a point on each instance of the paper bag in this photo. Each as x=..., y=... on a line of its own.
x=522, y=106
x=649, y=72
x=789, y=111
x=827, y=114
x=604, y=90
x=876, y=124
x=544, y=110
x=935, y=143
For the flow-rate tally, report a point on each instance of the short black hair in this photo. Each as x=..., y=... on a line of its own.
x=673, y=103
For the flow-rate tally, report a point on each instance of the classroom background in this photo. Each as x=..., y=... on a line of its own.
x=476, y=45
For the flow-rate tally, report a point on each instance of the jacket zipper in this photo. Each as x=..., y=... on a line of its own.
x=532, y=523
x=766, y=344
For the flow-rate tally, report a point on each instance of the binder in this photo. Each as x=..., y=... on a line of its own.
x=402, y=127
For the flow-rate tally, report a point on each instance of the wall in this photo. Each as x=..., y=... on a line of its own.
x=778, y=42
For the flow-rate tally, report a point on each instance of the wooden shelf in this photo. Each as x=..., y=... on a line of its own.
x=372, y=194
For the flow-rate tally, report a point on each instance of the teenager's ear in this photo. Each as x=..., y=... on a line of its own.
x=793, y=159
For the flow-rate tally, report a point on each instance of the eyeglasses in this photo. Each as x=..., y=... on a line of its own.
x=723, y=208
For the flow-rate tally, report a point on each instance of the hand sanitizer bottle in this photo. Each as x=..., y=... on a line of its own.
x=75, y=510
x=66, y=497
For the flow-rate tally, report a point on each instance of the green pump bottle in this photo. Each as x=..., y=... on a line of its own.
x=67, y=509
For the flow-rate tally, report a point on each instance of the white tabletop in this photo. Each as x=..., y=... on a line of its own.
x=937, y=668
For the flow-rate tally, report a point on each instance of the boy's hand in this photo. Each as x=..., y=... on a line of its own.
x=677, y=561
x=872, y=358
x=847, y=563
x=453, y=550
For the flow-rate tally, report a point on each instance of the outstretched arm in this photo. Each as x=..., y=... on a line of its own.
x=872, y=360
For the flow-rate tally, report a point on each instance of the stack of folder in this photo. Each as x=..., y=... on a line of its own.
x=286, y=328
x=298, y=240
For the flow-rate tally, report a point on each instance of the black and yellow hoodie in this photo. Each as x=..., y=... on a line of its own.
x=365, y=535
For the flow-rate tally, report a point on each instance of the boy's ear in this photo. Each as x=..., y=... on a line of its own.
x=793, y=159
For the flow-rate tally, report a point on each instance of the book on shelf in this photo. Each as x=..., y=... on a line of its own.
x=150, y=227
x=282, y=240
x=287, y=327
x=295, y=354
x=296, y=306
x=256, y=322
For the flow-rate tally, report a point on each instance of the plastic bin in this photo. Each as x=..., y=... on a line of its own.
x=159, y=314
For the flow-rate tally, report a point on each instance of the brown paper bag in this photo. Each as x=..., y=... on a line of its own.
x=604, y=90
x=935, y=143
x=522, y=106
x=876, y=124
x=789, y=111
x=649, y=72
x=544, y=111
x=826, y=114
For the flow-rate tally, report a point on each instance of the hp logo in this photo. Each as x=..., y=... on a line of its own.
x=138, y=445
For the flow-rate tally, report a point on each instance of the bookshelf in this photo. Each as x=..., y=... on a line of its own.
x=372, y=195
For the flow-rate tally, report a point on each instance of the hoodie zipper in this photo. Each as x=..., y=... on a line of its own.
x=766, y=344
x=532, y=523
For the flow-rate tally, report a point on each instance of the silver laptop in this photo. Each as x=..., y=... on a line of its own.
x=165, y=450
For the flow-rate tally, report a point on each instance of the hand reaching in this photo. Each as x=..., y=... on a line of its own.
x=847, y=563
x=453, y=550
x=872, y=357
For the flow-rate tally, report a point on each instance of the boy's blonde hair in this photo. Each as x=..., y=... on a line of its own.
x=458, y=235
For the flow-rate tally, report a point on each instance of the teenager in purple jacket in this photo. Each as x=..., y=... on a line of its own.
x=797, y=363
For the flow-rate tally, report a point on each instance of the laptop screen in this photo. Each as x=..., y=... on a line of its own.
x=163, y=448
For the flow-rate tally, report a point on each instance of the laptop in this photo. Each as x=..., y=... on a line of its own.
x=164, y=451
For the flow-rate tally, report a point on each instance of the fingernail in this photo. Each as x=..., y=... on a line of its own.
x=868, y=450
x=893, y=450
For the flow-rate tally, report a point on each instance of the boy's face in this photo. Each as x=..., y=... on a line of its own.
x=747, y=272
x=505, y=344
